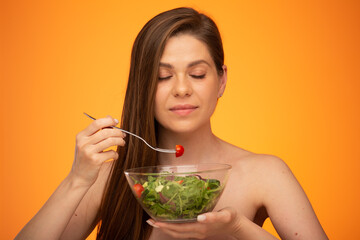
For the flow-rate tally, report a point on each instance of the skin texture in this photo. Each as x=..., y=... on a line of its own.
x=259, y=186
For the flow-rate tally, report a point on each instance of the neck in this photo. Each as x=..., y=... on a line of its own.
x=200, y=146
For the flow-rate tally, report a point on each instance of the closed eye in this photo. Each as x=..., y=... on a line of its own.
x=165, y=78
x=198, y=76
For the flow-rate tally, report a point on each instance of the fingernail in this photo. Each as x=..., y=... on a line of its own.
x=152, y=224
x=201, y=218
x=117, y=121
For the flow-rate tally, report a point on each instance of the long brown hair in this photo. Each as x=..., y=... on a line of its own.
x=121, y=217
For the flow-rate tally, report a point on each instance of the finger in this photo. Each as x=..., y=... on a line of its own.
x=109, y=142
x=98, y=124
x=152, y=223
x=222, y=216
x=104, y=134
x=227, y=214
x=107, y=155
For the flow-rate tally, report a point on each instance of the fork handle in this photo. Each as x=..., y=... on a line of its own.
x=132, y=134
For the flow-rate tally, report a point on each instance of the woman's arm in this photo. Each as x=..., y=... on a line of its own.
x=85, y=217
x=53, y=218
x=288, y=207
x=285, y=201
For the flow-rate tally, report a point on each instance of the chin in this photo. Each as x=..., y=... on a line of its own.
x=183, y=128
x=184, y=131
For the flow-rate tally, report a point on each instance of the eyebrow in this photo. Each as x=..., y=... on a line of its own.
x=189, y=65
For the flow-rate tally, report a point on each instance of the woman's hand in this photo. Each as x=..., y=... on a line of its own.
x=225, y=222
x=91, y=144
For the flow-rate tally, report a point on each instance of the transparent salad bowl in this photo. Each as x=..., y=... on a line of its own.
x=178, y=193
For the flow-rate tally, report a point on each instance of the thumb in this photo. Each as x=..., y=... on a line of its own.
x=224, y=215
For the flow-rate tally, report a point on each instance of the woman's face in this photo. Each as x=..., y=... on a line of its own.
x=188, y=85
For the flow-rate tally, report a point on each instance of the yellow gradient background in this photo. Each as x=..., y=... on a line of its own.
x=293, y=91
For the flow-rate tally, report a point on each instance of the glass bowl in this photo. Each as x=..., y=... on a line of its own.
x=178, y=193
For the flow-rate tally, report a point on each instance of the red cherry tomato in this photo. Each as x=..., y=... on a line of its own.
x=179, y=150
x=138, y=188
x=180, y=182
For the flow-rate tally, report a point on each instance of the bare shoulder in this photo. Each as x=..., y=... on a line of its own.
x=273, y=173
x=263, y=174
x=270, y=183
x=270, y=174
x=267, y=165
x=255, y=163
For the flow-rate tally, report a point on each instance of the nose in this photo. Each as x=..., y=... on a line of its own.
x=182, y=87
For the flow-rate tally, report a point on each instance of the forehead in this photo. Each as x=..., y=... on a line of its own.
x=185, y=48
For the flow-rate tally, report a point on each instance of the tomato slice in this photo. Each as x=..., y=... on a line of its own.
x=138, y=188
x=179, y=150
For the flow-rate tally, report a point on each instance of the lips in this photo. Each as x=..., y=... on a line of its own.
x=183, y=109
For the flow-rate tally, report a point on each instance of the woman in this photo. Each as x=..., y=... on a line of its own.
x=176, y=76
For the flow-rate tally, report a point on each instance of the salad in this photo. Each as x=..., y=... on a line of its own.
x=177, y=197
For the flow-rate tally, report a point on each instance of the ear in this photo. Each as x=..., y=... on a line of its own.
x=223, y=80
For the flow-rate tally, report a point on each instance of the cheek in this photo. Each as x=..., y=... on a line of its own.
x=211, y=100
x=212, y=106
x=209, y=94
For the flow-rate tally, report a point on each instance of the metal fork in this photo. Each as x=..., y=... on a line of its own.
x=132, y=134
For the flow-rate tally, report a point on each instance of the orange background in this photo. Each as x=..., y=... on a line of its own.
x=293, y=91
